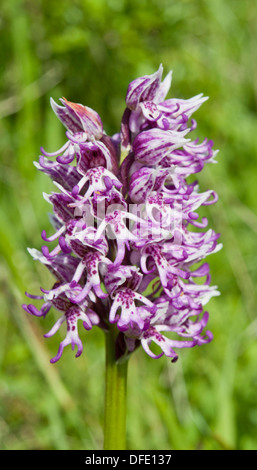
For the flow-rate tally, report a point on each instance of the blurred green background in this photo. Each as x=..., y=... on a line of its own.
x=88, y=51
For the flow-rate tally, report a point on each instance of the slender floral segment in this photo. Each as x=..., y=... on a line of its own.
x=129, y=248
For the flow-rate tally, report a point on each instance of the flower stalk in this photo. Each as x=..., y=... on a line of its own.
x=115, y=396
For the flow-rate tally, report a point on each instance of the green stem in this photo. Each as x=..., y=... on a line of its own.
x=115, y=396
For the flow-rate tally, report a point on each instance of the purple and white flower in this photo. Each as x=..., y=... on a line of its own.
x=130, y=249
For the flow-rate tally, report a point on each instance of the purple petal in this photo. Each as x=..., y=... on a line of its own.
x=143, y=89
x=153, y=145
x=78, y=118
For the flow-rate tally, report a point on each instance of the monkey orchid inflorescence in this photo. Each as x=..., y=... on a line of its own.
x=129, y=248
x=124, y=250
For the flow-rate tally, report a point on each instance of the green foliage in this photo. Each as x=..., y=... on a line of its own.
x=88, y=51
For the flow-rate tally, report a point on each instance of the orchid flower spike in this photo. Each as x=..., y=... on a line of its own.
x=129, y=247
